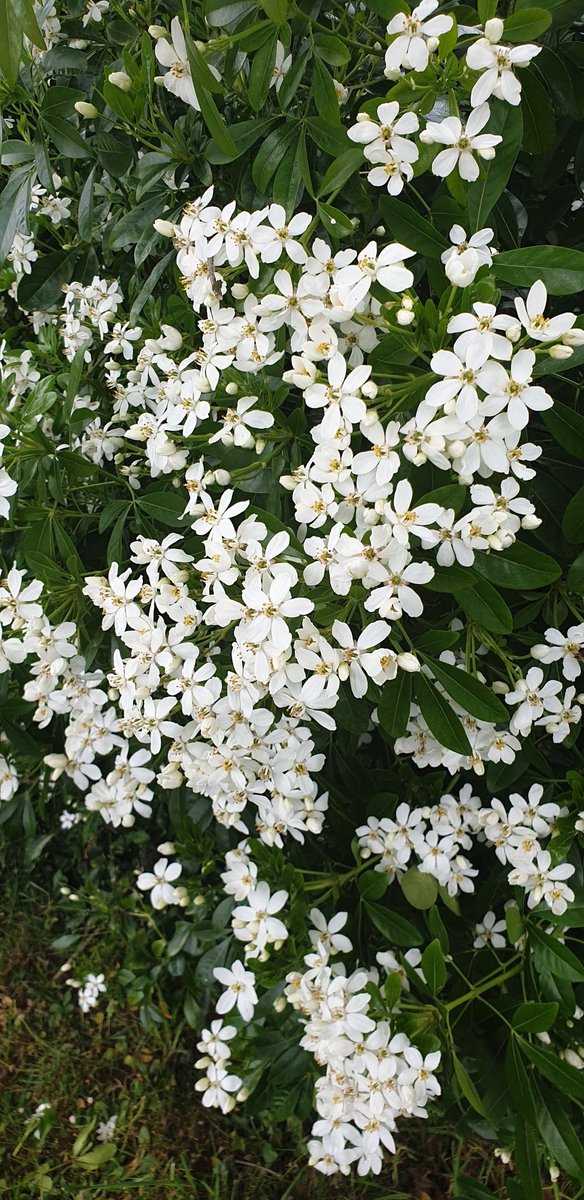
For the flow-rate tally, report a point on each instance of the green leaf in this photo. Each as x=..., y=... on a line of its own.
x=85, y=208
x=340, y=171
x=434, y=967
x=334, y=222
x=373, y=884
x=276, y=10
x=97, y=1157
x=573, y=522
x=323, y=90
x=483, y=604
x=11, y=32
x=519, y=568
x=539, y=126
x=532, y=1017
x=332, y=139
x=65, y=136
x=420, y=890
x=527, y=1159
x=132, y=225
x=42, y=288
x=551, y=955
x=440, y=717
x=559, y=1135
x=244, y=134
x=331, y=49
x=201, y=75
x=483, y=195
x=293, y=79
x=526, y=25
x=561, y=269
x=394, y=705
x=565, y=1077
x=517, y=1080
x=407, y=226
x=167, y=508
x=288, y=177
x=270, y=155
x=14, y=207
x=467, y=1086
x=396, y=929
x=262, y=68
x=567, y=427
x=472, y=695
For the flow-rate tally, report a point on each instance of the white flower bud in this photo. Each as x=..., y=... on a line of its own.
x=371, y=417
x=369, y=390
x=500, y=688
x=120, y=80
x=560, y=351
x=280, y=1003
x=172, y=339
x=404, y=316
x=573, y=337
x=223, y=478
x=166, y=848
x=462, y=268
x=554, y=1173
x=86, y=110
x=199, y=901
x=544, y=1037
x=573, y=1059
x=231, y=389
x=260, y=445
x=363, y=116
x=488, y=153
x=530, y=521
x=157, y=31
x=426, y=137
x=513, y=332
x=79, y=43
x=408, y=662
x=380, y=230
x=455, y=449
x=432, y=44
x=538, y=652
x=494, y=29
x=239, y=291
x=166, y=228
x=242, y=1095
x=420, y=459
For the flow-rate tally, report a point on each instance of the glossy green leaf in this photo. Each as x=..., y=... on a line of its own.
x=467, y=691
x=440, y=716
x=561, y=270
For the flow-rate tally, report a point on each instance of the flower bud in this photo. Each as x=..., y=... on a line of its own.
x=573, y=337
x=157, y=31
x=371, y=418
x=242, y=1095
x=166, y=228
x=513, y=333
x=280, y=1003
x=408, y=662
x=544, y=1037
x=172, y=339
x=559, y=351
x=426, y=137
x=239, y=291
x=223, y=478
x=432, y=44
x=404, y=316
x=494, y=29
x=455, y=449
x=530, y=521
x=573, y=1059
x=231, y=389
x=461, y=269
x=420, y=459
x=538, y=652
x=380, y=230
x=488, y=153
x=120, y=80
x=199, y=901
x=260, y=445
x=166, y=848
x=79, y=43
x=554, y=1173
x=369, y=390
x=86, y=110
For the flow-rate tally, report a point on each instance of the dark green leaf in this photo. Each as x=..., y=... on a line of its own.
x=434, y=967
x=440, y=717
x=394, y=705
x=42, y=288
x=573, y=522
x=565, y=1077
x=467, y=691
x=532, y=1017
x=567, y=427
x=539, y=126
x=420, y=890
x=396, y=929
x=519, y=567
x=483, y=195
x=407, y=226
x=262, y=67
x=526, y=25
x=323, y=90
x=561, y=269
x=483, y=604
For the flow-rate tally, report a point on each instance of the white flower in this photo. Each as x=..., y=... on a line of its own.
x=239, y=991
x=160, y=882
x=513, y=390
x=463, y=142
x=327, y=933
x=410, y=48
x=282, y=65
x=178, y=79
x=496, y=62
x=534, y=697
x=565, y=647
x=281, y=235
x=490, y=932
x=357, y=661
x=531, y=315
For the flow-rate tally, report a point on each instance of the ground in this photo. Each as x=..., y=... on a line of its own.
x=167, y=1147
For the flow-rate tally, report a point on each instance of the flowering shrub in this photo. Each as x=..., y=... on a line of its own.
x=291, y=604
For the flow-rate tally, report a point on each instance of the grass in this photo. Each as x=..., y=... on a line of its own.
x=167, y=1147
